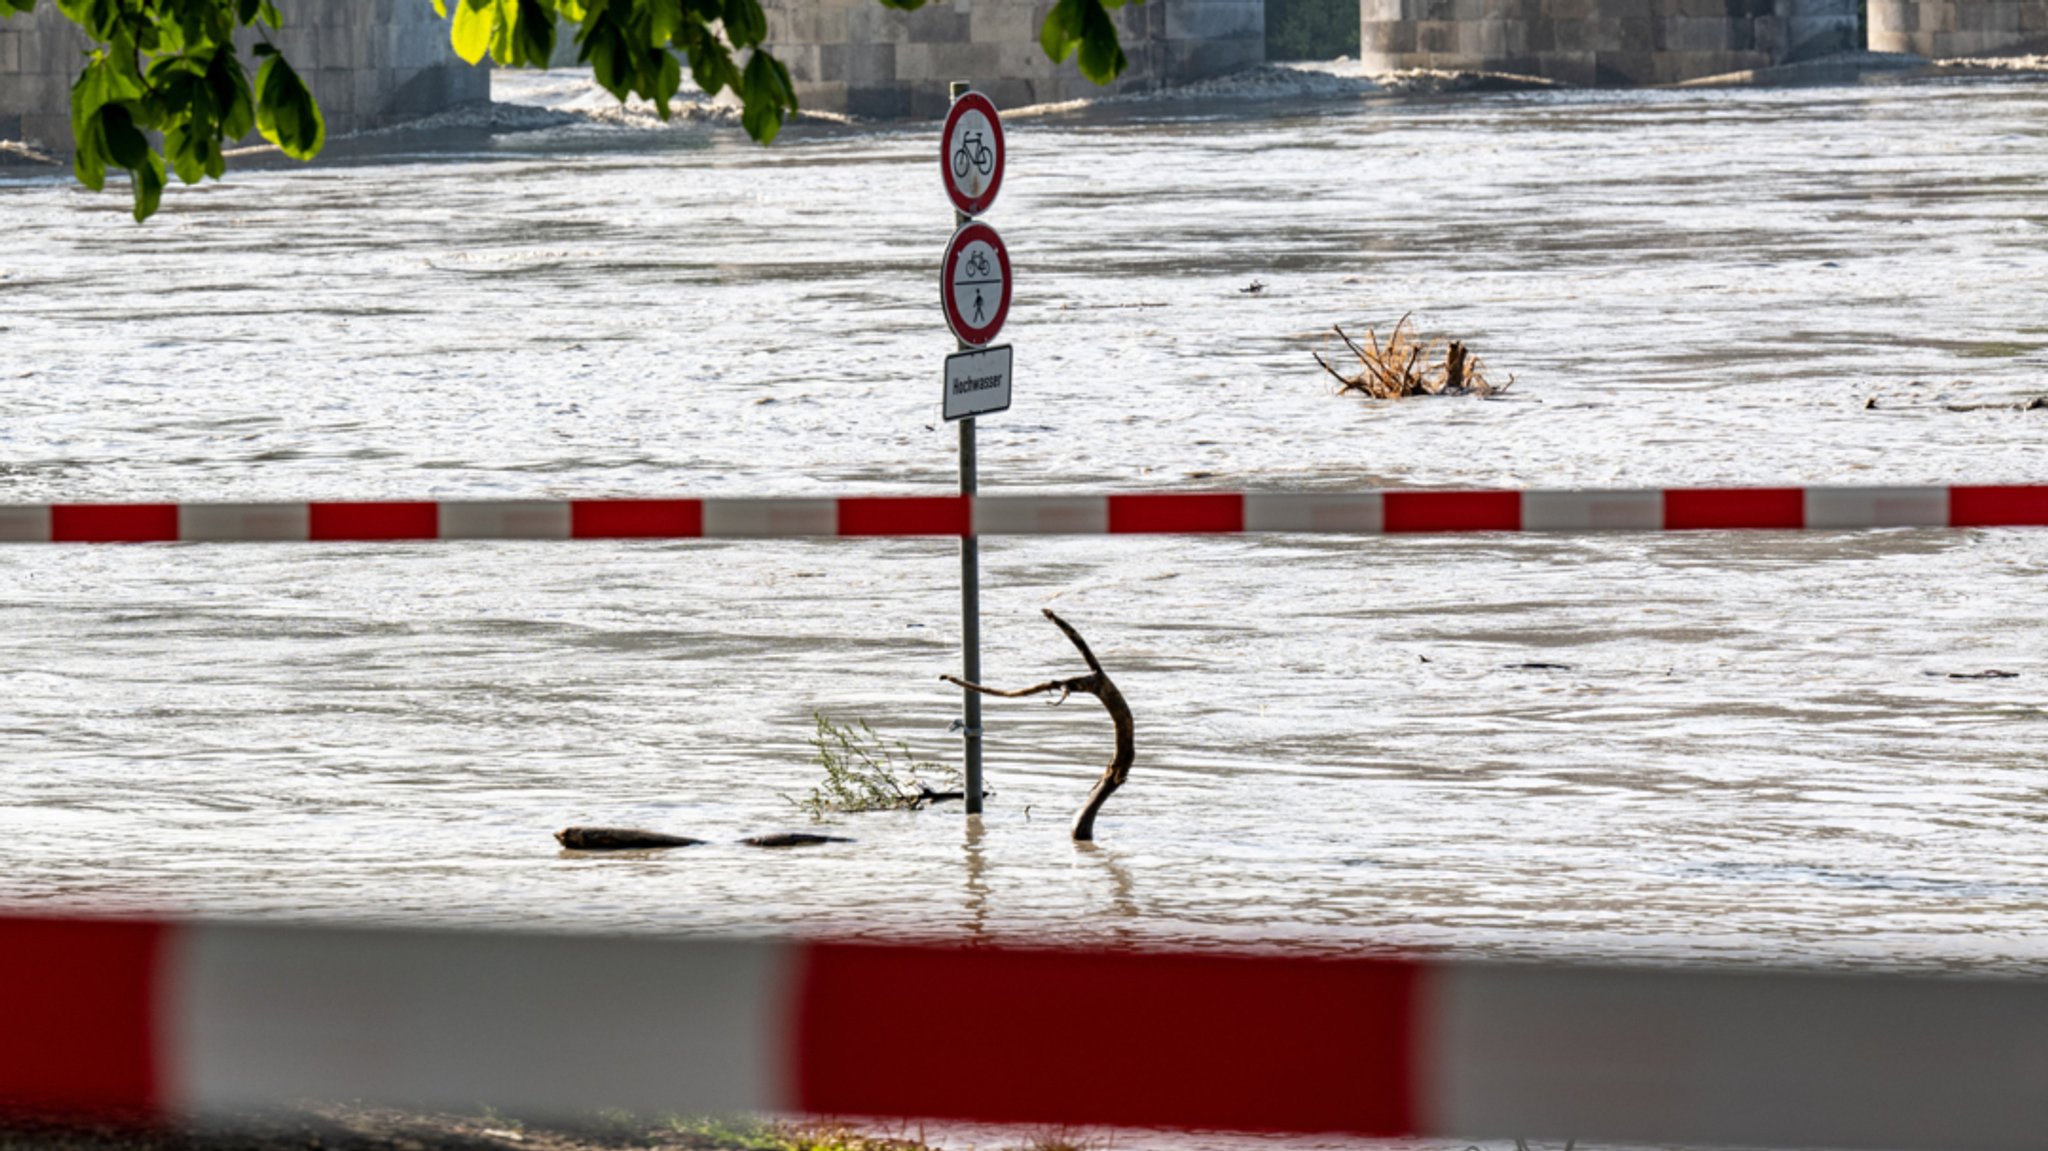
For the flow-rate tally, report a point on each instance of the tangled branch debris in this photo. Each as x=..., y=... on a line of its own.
x=865, y=773
x=1408, y=365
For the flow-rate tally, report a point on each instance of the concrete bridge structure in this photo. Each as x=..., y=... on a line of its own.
x=1945, y=29
x=1608, y=43
x=1642, y=42
x=856, y=56
x=376, y=62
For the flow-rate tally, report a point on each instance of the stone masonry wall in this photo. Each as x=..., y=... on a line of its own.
x=1945, y=29
x=1603, y=42
x=369, y=63
x=857, y=57
x=40, y=55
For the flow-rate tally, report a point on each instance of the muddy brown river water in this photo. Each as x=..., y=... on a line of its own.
x=1754, y=749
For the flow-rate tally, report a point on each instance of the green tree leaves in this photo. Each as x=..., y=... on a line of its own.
x=632, y=45
x=165, y=90
x=766, y=91
x=1085, y=26
x=286, y=112
x=475, y=27
x=745, y=24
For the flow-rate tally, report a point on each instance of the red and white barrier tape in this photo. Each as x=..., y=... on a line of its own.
x=132, y=1019
x=1356, y=513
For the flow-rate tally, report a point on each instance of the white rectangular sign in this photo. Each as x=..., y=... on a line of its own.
x=977, y=382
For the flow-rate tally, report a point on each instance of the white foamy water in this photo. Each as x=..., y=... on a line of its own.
x=1754, y=750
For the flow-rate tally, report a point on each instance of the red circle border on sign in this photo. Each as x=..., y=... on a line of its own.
x=971, y=206
x=956, y=249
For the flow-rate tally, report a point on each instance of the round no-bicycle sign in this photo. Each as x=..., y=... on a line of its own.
x=974, y=283
x=971, y=153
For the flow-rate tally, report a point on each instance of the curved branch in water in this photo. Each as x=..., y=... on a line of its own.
x=1098, y=684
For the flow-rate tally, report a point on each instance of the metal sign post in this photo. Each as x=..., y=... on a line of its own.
x=974, y=290
x=970, y=624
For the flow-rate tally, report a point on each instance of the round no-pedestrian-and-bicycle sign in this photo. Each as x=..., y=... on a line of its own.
x=971, y=153
x=974, y=283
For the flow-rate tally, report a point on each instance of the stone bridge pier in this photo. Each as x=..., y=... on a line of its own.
x=1641, y=42
x=858, y=57
x=1604, y=42
x=1944, y=29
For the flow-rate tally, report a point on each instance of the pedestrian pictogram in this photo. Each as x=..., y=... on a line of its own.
x=974, y=284
x=971, y=153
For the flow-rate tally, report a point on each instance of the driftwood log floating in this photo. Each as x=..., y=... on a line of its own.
x=1096, y=683
x=792, y=839
x=618, y=839
x=636, y=839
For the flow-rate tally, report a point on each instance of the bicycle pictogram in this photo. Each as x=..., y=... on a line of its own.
x=977, y=265
x=971, y=153
x=974, y=151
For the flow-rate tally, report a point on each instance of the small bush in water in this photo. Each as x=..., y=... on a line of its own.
x=863, y=772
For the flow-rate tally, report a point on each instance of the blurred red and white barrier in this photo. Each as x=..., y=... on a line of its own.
x=135, y=1019
x=1353, y=513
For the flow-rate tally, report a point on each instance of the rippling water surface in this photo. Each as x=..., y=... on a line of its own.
x=1753, y=748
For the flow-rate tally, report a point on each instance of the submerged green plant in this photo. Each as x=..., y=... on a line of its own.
x=864, y=772
x=739, y=1132
x=751, y=1133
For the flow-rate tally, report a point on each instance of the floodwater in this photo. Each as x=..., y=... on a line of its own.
x=1753, y=747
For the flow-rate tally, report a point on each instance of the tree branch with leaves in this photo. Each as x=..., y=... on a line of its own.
x=171, y=68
